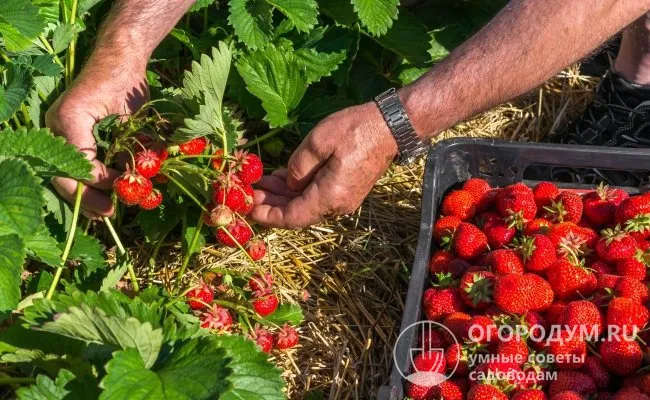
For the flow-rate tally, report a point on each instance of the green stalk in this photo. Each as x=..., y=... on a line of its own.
x=50, y=49
x=190, y=248
x=262, y=138
x=26, y=118
x=69, y=240
x=227, y=232
x=69, y=60
x=187, y=192
x=122, y=251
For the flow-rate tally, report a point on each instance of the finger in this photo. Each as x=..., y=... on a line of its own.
x=102, y=176
x=75, y=126
x=304, y=164
x=281, y=173
x=300, y=212
x=275, y=185
x=270, y=199
x=94, y=201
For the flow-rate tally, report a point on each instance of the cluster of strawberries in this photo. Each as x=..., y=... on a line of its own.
x=218, y=318
x=568, y=266
x=232, y=190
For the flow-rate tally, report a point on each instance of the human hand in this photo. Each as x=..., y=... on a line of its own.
x=330, y=173
x=99, y=90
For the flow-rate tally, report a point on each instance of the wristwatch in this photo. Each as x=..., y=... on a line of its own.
x=410, y=146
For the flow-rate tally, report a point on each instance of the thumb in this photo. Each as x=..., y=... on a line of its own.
x=305, y=162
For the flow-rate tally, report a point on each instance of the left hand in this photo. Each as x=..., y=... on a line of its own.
x=330, y=173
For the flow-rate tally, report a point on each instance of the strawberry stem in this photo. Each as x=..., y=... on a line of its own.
x=190, y=249
x=187, y=192
x=238, y=245
x=262, y=138
x=122, y=251
x=69, y=240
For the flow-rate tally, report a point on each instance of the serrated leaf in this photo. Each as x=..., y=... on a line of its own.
x=93, y=325
x=113, y=277
x=157, y=222
x=182, y=37
x=88, y=251
x=15, y=90
x=278, y=79
x=63, y=35
x=195, y=370
x=408, y=74
x=34, y=103
x=58, y=207
x=317, y=64
x=12, y=256
x=43, y=247
x=48, y=155
x=21, y=198
x=286, y=313
x=200, y=4
x=47, y=389
x=376, y=15
x=20, y=23
x=406, y=38
x=341, y=10
x=303, y=13
x=252, y=376
x=45, y=65
x=252, y=21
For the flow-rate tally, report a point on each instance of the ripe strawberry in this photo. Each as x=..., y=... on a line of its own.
x=238, y=229
x=572, y=241
x=630, y=393
x=519, y=293
x=537, y=226
x=160, y=150
x=452, y=389
x=634, y=268
x=482, y=192
x=498, y=233
x=218, y=216
x=256, y=249
x=439, y=303
x=217, y=160
x=469, y=241
x=575, y=381
x=132, y=187
x=595, y=368
x=482, y=329
x=631, y=289
x=420, y=387
x=286, y=338
x=456, y=322
x=568, y=395
x=504, y=262
x=236, y=195
x=439, y=261
x=583, y=316
x=430, y=361
x=147, y=163
x=152, y=201
x=459, y=203
x=457, y=358
x=260, y=284
x=545, y=193
x=457, y=267
x=568, y=348
x=248, y=167
x=566, y=207
x=600, y=205
x=199, y=295
x=553, y=313
x=194, y=147
x=264, y=339
x=615, y=246
x=601, y=268
x=606, y=283
x=476, y=289
x=530, y=394
x=622, y=357
x=633, y=207
x=570, y=281
x=514, y=349
x=216, y=318
x=517, y=204
x=538, y=252
x=444, y=229
x=487, y=217
x=485, y=392
x=639, y=227
x=265, y=305
x=627, y=314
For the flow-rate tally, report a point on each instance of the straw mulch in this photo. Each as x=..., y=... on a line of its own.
x=351, y=275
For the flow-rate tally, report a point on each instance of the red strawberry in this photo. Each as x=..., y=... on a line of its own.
x=147, y=163
x=632, y=289
x=482, y=329
x=218, y=216
x=568, y=395
x=430, y=361
x=505, y=262
x=622, y=357
x=457, y=357
x=633, y=207
x=498, y=233
x=444, y=229
x=567, y=207
x=432, y=339
x=630, y=393
x=476, y=289
x=217, y=160
x=194, y=147
x=571, y=240
x=420, y=388
x=469, y=241
x=439, y=262
x=487, y=217
x=600, y=205
x=545, y=193
x=627, y=314
x=456, y=322
x=216, y=318
x=530, y=394
x=568, y=348
x=537, y=226
x=452, y=389
x=286, y=338
x=632, y=268
x=615, y=246
x=578, y=382
x=481, y=191
x=264, y=339
x=248, y=167
x=514, y=349
x=260, y=284
x=583, y=316
x=517, y=204
x=519, y=293
x=459, y=203
x=256, y=249
x=538, y=252
x=439, y=303
x=639, y=227
x=132, y=187
x=152, y=201
x=265, y=305
x=595, y=368
x=199, y=295
x=240, y=232
x=570, y=281
x=485, y=392
x=553, y=313
x=606, y=283
x=601, y=268
x=236, y=195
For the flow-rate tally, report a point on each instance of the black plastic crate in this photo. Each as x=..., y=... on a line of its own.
x=502, y=163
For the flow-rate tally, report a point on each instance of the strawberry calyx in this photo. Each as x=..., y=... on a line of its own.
x=574, y=248
x=479, y=289
x=444, y=280
x=640, y=223
x=516, y=219
x=556, y=211
x=613, y=234
x=526, y=246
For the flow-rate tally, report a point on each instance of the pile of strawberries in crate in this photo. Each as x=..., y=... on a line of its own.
x=543, y=292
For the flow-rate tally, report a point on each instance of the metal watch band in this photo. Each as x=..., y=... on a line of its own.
x=410, y=147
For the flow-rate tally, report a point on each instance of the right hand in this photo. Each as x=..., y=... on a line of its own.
x=101, y=89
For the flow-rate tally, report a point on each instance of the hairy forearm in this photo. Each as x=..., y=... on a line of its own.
x=524, y=45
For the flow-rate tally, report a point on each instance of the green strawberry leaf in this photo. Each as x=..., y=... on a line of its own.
x=340, y=10
x=158, y=222
x=196, y=369
x=43, y=247
x=200, y=4
x=87, y=251
x=406, y=38
x=45, y=65
x=15, y=89
x=49, y=156
x=63, y=35
x=252, y=21
x=20, y=24
x=12, y=256
x=303, y=13
x=21, y=197
x=376, y=15
x=57, y=207
x=47, y=389
x=286, y=313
